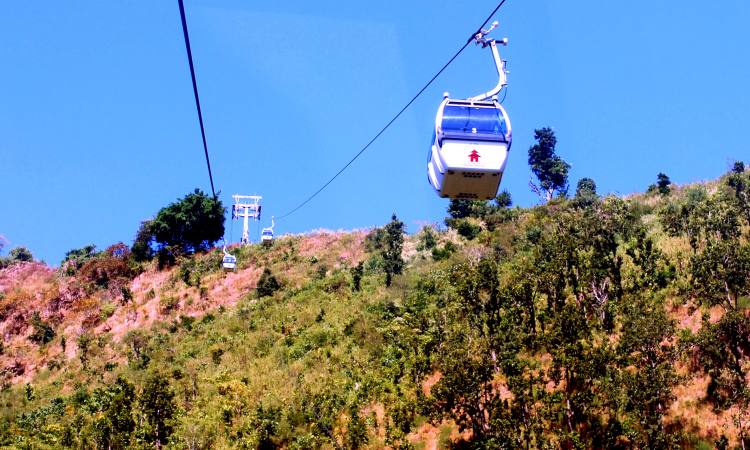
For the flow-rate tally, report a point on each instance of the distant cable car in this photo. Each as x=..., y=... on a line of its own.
x=229, y=262
x=472, y=139
x=266, y=235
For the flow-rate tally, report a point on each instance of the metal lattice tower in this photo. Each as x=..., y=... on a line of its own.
x=246, y=207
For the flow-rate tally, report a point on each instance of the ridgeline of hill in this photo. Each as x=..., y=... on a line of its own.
x=584, y=323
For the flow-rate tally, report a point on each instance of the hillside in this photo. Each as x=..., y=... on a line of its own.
x=584, y=323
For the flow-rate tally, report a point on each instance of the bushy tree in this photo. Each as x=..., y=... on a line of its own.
x=550, y=170
x=393, y=264
x=193, y=223
x=503, y=200
x=586, y=192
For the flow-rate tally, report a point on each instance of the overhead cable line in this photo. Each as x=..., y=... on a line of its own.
x=390, y=122
x=195, y=91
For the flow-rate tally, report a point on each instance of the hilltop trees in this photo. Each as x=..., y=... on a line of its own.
x=15, y=255
x=191, y=224
x=20, y=254
x=550, y=170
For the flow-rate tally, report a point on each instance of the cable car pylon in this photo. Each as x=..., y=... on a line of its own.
x=246, y=207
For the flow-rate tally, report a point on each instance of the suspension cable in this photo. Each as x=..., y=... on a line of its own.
x=195, y=91
x=390, y=122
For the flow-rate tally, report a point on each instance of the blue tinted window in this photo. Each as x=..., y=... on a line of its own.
x=472, y=122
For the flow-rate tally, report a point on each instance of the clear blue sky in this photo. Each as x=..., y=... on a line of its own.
x=98, y=128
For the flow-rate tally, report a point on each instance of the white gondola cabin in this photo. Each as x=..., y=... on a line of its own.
x=229, y=261
x=266, y=235
x=471, y=140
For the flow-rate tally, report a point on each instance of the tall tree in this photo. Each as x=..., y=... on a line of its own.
x=393, y=264
x=550, y=170
x=663, y=183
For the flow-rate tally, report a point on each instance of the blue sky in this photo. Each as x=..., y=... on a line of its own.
x=98, y=128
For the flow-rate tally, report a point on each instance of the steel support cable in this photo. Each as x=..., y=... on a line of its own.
x=387, y=125
x=195, y=91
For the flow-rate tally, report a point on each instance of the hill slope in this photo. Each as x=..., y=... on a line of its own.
x=584, y=323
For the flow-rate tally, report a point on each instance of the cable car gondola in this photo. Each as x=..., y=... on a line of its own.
x=266, y=235
x=471, y=140
x=229, y=262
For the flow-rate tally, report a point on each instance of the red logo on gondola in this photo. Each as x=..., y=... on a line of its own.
x=474, y=156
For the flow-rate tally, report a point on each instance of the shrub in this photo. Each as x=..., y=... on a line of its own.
x=168, y=304
x=42, y=333
x=427, y=239
x=107, y=310
x=445, y=252
x=467, y=229
x=108, y=268
x=75, y=258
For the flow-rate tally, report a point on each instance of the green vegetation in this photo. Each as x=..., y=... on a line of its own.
x=15, y=255
x=581, y=323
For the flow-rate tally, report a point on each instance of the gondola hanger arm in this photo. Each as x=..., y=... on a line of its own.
x=480, y=39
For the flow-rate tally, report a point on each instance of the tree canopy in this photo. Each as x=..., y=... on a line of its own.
x=191, y=224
